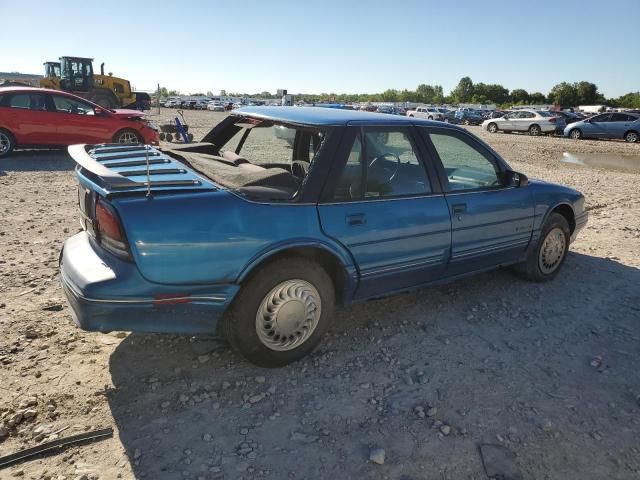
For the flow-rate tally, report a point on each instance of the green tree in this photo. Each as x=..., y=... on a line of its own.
x=463, y=91
x=537, y=98
x=564, y=94
x=587, y=93
x=519, y=96
x=630, y=100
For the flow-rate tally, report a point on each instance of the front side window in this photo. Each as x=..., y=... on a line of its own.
x=70, y=105
x=466, y=167
x=382, y=163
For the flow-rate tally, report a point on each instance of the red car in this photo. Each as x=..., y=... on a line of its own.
x=39, y=117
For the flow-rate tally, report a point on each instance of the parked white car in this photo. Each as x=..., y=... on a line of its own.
x=535, y=122
x=430, y=113
x=215, y=106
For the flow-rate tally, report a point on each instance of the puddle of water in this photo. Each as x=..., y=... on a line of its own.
x=609, y=161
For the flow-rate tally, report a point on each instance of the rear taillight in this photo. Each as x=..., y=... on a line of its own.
x=109, y=230
x=553, y=119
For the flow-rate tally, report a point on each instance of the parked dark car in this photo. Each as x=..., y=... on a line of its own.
x=469, y=117
x=450, y=117
x=569, y=117
x=243, y=235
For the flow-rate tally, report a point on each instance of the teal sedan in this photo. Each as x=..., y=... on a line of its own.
x=607, y=125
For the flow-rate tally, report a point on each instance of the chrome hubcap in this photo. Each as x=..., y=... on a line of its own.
x=534, y=131
x=288, y=315
x=552, y=251
x=492, y=128
x=4, y=143
x=128, y=137
x=575, y=134
x=632, y=137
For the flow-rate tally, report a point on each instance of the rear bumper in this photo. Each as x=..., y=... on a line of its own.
x=106, y=294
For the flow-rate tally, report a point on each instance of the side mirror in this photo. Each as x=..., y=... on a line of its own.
x=515, y=179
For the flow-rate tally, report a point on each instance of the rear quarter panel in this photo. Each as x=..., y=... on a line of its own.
x=213, y=237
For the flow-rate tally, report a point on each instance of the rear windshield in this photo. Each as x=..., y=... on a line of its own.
x=259, y=158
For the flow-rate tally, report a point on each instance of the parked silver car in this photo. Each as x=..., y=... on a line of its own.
x=535, y=122
x=607, y=125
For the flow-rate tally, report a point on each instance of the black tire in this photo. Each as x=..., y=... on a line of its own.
x=575, y=134
x=531, y=268
x=240, y=324
x=429, y=117
x=631, y=136
x=492, y=128
x=105, y=100
x=169, y=137
x=161, y=136
x=535, y=130
x=467, y=122
x=127, y=133
x=7, y=143
x=190, y=137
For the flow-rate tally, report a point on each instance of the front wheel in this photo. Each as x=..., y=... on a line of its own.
x=127, y=135
x=281, y=313
x=7, y=143
x=493, y=128
x=631, y=137
x=544, y=261
x=575, y=134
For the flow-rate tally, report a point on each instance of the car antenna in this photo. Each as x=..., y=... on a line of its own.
x=146, y=157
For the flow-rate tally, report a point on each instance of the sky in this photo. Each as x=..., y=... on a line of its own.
x=347, y=46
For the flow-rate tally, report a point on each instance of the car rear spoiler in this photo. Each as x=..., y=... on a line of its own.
x=134, y=167
x=111, y=179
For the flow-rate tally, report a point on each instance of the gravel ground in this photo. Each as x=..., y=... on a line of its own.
x=405, y=387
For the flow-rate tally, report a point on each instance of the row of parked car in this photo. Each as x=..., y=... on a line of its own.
x=612, y=125
x=609, y=125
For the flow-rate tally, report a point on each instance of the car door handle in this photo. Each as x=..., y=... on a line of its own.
x=459, y=208
x=356, y=219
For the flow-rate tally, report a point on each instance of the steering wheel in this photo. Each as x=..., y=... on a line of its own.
x=387, y=174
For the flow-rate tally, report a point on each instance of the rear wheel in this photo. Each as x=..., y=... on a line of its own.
x=575, y=134
x=631, y=137
x=467, y=122
x=492, y=127
x=544, y=261
x=7, y=142
x=534, y=130
x=281, y=313
x=127, y=135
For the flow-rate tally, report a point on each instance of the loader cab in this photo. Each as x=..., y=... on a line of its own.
x=51, y=77
x=76, y=74
x=52, y=69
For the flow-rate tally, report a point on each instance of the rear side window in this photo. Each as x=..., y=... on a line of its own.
x=621, y=117
x=27, y=101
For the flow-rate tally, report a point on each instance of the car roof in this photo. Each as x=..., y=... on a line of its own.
x=29, y=89
x=327, y=116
